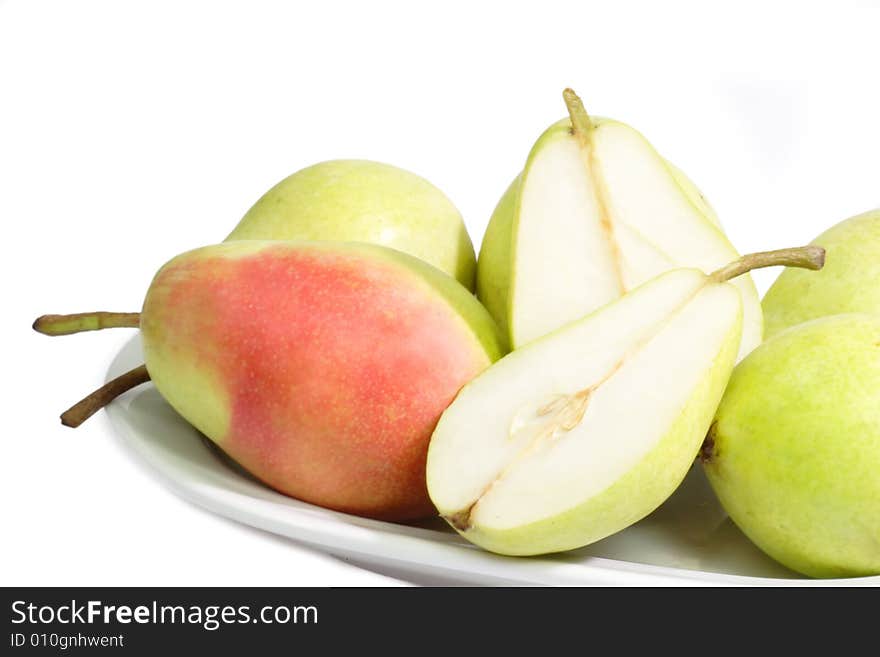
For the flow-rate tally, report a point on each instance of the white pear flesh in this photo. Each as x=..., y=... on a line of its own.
x=591, y=218
x=587, y=430
x=565, y=267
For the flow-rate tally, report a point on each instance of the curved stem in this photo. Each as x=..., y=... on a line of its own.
x=806, y=257
x=84, y=409
x=79, y=322
x=581, y=123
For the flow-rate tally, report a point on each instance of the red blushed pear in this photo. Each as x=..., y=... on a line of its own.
x=322, y=368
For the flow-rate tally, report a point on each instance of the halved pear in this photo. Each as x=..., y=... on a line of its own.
x=588, y=429
x=595, y=213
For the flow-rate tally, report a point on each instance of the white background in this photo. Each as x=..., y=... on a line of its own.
x=131, y=131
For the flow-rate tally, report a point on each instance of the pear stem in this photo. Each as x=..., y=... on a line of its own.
x=87, y=407
x=79, y=322
x=581, y=123
x=806, y=257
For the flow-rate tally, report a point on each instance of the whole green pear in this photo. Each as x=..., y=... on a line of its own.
x=847, y=284
x=794, y=452
x=364, y=201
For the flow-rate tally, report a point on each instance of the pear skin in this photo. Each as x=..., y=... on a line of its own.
x=322, y=368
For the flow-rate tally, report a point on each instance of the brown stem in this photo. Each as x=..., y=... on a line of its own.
x=581, y=123
x=79, y=322
x=806, y=257
x=84, y=409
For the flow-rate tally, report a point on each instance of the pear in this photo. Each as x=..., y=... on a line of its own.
x=846, y=285
x=320, y=367
x=595, y=213
x=794, y=452
x=364, y=201
x=586, y=430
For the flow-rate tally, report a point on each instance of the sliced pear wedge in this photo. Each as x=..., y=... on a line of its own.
x=595, y=213
x=590, y=428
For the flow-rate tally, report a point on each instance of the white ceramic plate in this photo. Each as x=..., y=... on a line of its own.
x=688, y=541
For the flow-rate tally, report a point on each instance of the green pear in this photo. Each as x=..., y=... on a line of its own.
x=363, y=201
x=846, y=285
x=794, y=452
x=595, y=213
x=586, y=430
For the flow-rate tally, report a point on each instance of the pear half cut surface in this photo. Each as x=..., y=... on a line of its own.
x=587, y=430
x=595, y=213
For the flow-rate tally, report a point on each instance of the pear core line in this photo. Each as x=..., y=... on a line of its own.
x=565, y=412
x=582, y=129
